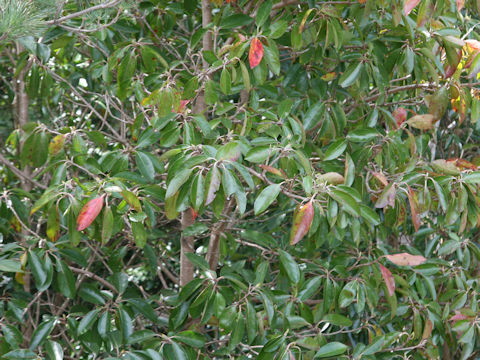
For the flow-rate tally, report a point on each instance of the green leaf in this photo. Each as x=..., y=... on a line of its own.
x=12, y=335
x=347, y=202
x=291, y=267
x=472, y=178
x=178, y=352
x=40, y=334
x=145, y=165
x=38, y=270
x=259, y=154
x=107, y=224
x=139, y=234
x=177, y=181
x=143, y=307
x=337, y=319
x=235, y=20
x=334, y=348
x=225, y=81
x=335, y=150
x=20, y=354
x=310, y=288
x=7, y=265
x=87, y=321
x=198, y=261
x=65, y=280
x=54, y=350
x=263, y=12
x=266, y=198
x=272, y=57
x=191, y=338
x=126, y=326
x=314, y=115
x=351, y=74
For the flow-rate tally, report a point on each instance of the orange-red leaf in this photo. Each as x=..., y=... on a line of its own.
x=460, y=4
x=413, y=209
x=400, y=115
x=89, y=212
x=274, y=171
x=302, y=220
x=255, y=54
x=409, y=6
x=388, y=278
x=406, y=259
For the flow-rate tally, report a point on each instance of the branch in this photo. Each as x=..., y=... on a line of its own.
x=20, y=173
x=83, y=12
x=94, y=277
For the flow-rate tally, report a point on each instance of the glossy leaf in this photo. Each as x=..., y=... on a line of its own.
x=89, y=212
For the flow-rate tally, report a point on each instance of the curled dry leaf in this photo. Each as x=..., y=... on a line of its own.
x=89, y=212
x=302, y=220
x=388, y=278
x=406, y=259
x=387, y=197
x=255, y=53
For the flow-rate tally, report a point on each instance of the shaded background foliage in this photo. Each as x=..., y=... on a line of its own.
x=244, y=210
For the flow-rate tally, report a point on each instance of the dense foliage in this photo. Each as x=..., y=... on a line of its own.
x=239, y=179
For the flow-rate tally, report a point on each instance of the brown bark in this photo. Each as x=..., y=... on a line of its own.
x=187, y=245
x=20, y=108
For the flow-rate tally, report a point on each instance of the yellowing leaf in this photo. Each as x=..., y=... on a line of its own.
x=406, y=259
x=56, y=144
x=331, y=178
x=445, y=167
x=255, y=53
x=302, y=220
x=388, y=278
x=422, y=122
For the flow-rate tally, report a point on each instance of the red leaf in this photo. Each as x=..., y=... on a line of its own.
x=406, y=259
x=388, y=278
x=400, y=115
x=460, y=4
x=193, y=213
x=409, y=6
x=89, y=212
x=255, y=54
x=302, y=220
x=413, y=209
